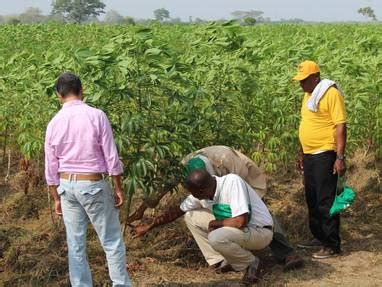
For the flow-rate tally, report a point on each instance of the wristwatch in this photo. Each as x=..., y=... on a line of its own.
x=340, y=157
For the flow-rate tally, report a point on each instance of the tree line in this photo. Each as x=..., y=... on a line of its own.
x=88, y=11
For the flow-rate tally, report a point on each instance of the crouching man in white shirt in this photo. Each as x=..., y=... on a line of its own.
x=227, y=219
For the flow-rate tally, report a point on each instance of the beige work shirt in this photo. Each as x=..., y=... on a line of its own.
x=225, y=160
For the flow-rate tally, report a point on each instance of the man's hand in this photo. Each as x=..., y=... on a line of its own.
x=140, y=230
x=57, y=199
x=57, y=207
x=171, y=214
x=118, y=198
x=118, y=190
x=339, y=167
x=214, y=224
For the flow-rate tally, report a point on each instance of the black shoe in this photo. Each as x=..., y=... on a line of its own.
x=217, y=265
x=252, y=275
x=225, y=269
x=222, y=267
x=325, y=252
x=315, y=243
x=292, y=262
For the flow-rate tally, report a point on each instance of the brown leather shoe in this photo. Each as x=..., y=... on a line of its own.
x=252, y=275
x=292, y=262
x=325, y=252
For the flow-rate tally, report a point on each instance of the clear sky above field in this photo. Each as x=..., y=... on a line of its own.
x=321, y=10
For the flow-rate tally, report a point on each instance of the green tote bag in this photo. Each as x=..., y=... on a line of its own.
x=344, y=199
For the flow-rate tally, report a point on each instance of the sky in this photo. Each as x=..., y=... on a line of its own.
x=321, y=10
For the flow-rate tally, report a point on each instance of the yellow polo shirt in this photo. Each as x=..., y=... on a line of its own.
x=318, y=129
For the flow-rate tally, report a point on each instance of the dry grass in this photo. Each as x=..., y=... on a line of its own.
x=33, y=250
x=37, y=258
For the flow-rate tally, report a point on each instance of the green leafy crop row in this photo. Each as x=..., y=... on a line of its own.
x=171, y=89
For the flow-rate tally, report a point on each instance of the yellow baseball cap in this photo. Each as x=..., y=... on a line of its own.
x=305, y=69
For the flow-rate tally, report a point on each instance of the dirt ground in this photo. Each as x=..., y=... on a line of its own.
x=33, y=249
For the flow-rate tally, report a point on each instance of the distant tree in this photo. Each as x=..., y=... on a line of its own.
x=249, y=21
x=161, y=14
x=198, y=20
x=129, y=20
x=293, y=20
x=13, y=20
x=367, y=12
x=113, y=17
x=176, y=20
x=92, y=19
x=263, y=19
x=55, y=18
x=220, y=21
x=240, y=15
x=32, y=15
x=78, y=10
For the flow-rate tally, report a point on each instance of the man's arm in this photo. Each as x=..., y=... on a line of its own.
x=339, y=165
x=109, y=149
x=113, y=164
x=51, y=171
x=237, y=196
x=338, y=115
x=170, y=215
x=239, y=222
x=118, y=190
x=56, y=197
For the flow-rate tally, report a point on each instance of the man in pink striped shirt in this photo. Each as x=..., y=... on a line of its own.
x=79, y=151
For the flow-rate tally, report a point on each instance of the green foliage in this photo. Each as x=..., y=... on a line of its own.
x=249, y=21
x=78, y=10
x=170, y=89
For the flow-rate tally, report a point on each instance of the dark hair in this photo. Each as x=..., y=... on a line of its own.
x=68, y=83
x=198, y=179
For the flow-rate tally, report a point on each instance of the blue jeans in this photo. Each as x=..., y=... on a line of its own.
x=92, y=201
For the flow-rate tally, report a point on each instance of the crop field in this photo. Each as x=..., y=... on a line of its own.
x=169, y=90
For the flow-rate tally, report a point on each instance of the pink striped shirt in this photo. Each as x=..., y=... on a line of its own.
x=79, y=139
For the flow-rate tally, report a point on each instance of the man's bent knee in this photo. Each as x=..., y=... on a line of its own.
x=196, y=217
x=217, y=239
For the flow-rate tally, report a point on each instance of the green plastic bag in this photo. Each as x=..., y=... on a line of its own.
x=342, y=200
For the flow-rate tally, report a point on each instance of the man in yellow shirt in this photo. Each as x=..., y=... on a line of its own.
x=322, y=136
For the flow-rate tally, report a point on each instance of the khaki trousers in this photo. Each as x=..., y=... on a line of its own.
x=226, y=243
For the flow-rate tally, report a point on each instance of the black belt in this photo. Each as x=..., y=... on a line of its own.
x=270, y=227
